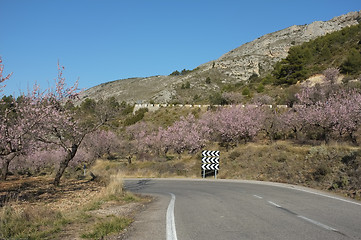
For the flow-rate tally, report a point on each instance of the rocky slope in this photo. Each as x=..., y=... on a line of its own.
x=257, y=57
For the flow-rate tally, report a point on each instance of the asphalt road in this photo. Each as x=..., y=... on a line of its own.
x=222, y=210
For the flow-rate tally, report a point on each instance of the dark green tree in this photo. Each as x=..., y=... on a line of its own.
x=175, y=73
x=352, y=64
x=208, y=80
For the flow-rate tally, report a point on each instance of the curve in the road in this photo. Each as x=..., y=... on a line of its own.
x=227, y=209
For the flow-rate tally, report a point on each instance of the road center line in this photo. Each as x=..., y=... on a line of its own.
x=305, y=218
x=274, y=204
x=170, y=223
x=318, y=223
x=257, y=196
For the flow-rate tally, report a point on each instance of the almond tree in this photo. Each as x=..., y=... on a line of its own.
x=138, y=137
x=184, y=135
x=346, y=110
x=232, y=125
x=155, y=141
x=19, y=120
x=293, y=120
x=273, y=123
x=101, y=142
x=331, y=75
x=3, y=78
x=66, y=128
x=332, y=111
x=316, y=111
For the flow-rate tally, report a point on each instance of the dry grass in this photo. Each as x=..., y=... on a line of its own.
x=335, y=167
x=30, y=222
x=69, y=211
x=103, y=169
x=111, y=225
x=115, y=186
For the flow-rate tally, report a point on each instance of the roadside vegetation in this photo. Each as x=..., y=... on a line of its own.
x=33, y=209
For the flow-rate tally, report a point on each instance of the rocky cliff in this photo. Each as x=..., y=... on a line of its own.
x=257, y=57
x=261, y=54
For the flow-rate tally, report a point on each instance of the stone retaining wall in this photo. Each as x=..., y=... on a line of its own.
x=155, y=107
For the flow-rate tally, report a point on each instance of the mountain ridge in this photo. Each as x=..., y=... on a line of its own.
x=255, y=57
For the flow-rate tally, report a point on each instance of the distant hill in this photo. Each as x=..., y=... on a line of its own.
x=340, y=49
x=256, y=58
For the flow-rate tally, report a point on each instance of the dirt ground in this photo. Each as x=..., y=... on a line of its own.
x=33, y=190
x=70, y=196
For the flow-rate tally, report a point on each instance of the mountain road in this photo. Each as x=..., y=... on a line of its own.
x=232, y=209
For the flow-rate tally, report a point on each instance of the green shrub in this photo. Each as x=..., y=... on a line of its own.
x=352, y=64
x=110, y=225
x=260, y=88
x=217, y=99
x=234, y=155
x=187, y=85
x=246, y=91
x=139, y=115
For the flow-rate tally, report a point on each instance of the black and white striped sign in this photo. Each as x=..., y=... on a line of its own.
x=206, y=153
x=210, y=166
x=210, y=159
x=210, y=162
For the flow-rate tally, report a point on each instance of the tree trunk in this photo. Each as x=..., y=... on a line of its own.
x=296, y=133
x=326, y=135
x=5, y=170
x=5, y=167
x=353, y=138
x=64, y=163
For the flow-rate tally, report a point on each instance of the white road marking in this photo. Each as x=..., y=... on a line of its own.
x=171, y=232
x=274, y=204
x=318, y=223
x=305, y=218
x=332, y=197
x=258, y=196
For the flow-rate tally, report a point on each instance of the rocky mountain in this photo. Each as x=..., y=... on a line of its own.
x=256, y=57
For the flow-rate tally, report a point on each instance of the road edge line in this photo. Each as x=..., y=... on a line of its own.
x=170, y=222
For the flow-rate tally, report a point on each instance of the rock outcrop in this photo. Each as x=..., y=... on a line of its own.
x=258, y=56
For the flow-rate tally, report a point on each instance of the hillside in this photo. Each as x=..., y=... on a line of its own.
x=254, y=58
x=340, y=49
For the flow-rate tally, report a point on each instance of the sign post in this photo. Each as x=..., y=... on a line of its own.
x=210, y=161
x=84, y=168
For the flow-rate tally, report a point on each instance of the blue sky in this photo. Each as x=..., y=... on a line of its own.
x=103, y=40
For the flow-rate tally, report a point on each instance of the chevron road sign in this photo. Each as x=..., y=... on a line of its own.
x=210, y=166
x=210, y=162
x=206, y=153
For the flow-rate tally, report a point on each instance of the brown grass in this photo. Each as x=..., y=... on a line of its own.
x=323, y=167
x=69, y=211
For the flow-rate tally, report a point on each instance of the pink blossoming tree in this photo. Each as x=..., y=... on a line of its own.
x=332, y=110
x=67, y=128
x=19, y=121
x=235, y=124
